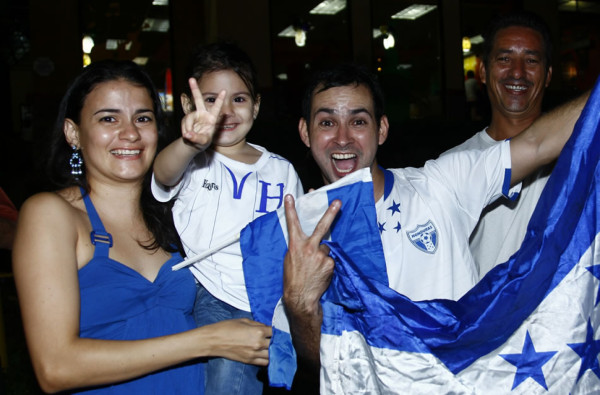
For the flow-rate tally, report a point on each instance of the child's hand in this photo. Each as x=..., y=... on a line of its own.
x=198, y=127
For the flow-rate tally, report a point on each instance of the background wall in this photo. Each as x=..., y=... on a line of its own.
x=42, y=51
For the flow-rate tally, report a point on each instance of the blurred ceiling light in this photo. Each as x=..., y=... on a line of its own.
x=478, y=39
x=579, y=6
x=287, y=32
x=112, y=44
x=298, y=33
x=388, y=37
x=87, y=43
x=466, y=44
x=160, y=2
x=141, y=60
x=414, y=11
x=329, y=7
x=155, y=25
x=86, y=60
x=389, y=42
x=300, y=37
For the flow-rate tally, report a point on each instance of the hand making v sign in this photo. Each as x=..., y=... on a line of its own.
x=198, y=126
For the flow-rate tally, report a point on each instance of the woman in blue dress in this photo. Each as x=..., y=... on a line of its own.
x=102, y=310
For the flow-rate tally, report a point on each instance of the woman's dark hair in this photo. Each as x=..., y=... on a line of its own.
x=157, y=216
x=345, y=74
x=222, y=56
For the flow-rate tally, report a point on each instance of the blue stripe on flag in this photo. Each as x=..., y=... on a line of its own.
x=563, y=226
x=355, y=228
x=263, y=241
x=282, y=357
x=457, y=333
x=263, y=245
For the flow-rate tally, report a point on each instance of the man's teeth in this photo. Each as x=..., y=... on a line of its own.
x=343, y=156
x=343, y=170
x=516, y=87
x=126, y=151
x=227, y=127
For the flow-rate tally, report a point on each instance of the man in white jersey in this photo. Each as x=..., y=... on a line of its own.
x=516, y=69
x=425, y=216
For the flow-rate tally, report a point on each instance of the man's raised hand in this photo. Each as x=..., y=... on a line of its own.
x=307, y=265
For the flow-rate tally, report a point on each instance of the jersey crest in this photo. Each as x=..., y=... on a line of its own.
x=424, y=237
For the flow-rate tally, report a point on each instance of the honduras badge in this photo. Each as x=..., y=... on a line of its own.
x=424, y=237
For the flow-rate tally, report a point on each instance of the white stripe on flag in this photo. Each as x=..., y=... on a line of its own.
x=529, y=326
x=560, y=320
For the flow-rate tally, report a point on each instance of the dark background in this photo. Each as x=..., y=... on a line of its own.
x=422, y=75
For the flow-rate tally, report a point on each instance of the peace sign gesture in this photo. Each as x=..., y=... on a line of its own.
x=308, y=267
x=198, y=126
x=307, y=272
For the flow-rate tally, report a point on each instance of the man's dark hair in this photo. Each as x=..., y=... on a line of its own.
x=345, y=74
x=522, y=19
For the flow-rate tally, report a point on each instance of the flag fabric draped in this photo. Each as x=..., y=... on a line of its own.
x=529, y=326
x=264, y=244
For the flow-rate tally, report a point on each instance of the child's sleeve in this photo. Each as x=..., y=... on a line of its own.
x=294, y=184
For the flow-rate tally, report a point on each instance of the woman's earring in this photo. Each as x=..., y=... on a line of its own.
x=76, y=162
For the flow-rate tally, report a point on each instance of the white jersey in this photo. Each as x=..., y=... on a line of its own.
x=502, y=226
x=216, y=198
x=426, y=215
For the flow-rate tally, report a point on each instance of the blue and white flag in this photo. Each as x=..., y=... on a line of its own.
x=528, y=327
x=264, y=244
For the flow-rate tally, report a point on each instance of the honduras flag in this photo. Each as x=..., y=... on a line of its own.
x=528, y=327
x=264, y=244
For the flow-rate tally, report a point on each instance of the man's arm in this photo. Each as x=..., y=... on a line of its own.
x=543, y=141
x=306, y=275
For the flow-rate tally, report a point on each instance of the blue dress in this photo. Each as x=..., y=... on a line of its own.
x=117, y=303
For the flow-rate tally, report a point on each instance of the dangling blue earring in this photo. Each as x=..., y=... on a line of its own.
x=76, y=162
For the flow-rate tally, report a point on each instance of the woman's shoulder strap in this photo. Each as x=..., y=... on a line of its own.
x=99, y=236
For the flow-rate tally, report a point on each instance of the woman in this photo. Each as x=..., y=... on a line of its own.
x=92, y=262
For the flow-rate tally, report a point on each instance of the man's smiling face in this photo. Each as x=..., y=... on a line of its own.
x=342, y=132
x=516, y=74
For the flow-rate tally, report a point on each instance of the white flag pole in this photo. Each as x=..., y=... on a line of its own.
x=206, y=253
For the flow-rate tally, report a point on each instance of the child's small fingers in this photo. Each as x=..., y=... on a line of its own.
x=198, y=99
x=216, y=107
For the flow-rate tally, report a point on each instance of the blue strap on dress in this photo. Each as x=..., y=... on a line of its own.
x=118, y=303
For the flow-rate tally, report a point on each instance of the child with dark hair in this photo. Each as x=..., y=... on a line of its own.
x=220, y=183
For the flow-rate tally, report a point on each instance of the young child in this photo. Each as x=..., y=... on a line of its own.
x=220, y=183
